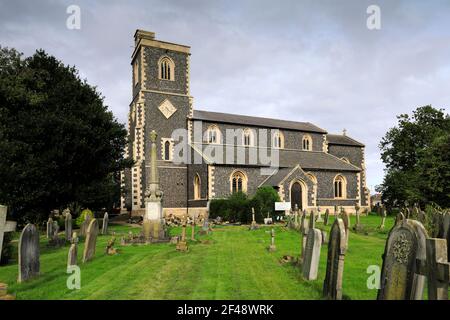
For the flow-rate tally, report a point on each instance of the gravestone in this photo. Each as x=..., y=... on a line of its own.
x=193, y=229
x=29, y=264
x=272, y=246
x=55, y=229
x=357, y=227
x=346, y=219
x=5, y=226
x=310, y=264
x=446, y=234
x=312, y=220
x=91, y=241
x=73, y=251
x=336, y=211
x=254, y=225
x=85, y=225
x=68, y=226
x=437, y=269
x=319, y=215
x=383, y=218
x=327, y=216
x=337, y=247
x=406, y=244
x=105, y=224
x=182, y=244
x=50, y=228
x=304, y=223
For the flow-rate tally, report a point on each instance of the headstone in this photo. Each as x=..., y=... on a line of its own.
x=5, y=226
x=319, y=215
x=85, y=225
x=310, y=264
x=182, y=244
x=438, y=269
x=68, y=226
x=357, y=226
x=346, y=219
x=383, y=218
x=327, y=216
x=312, y=220
x=193, y=229
x=73, y=251
x=324, y=237
x=91, y=241
x=50, y=228
x=336, y=210
x=55, y=229
x=254, y=225
x=337, y=247
x=446, y=234
x=29, y=264
x=400, y=279
x=272, y=246
x=105, y=224
x=304, y=223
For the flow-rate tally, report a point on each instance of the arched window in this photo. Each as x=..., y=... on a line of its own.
x=197, y=187
x=166, y=149
x=238, y=181
x=307, y=143
x=278, y=140
x=340, y=187
x=213, y=134
x=248, y=138
x=166, y=69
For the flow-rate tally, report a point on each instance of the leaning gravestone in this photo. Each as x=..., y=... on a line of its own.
x=91, y=241
x=405, y=246
x=68, y=226
x=105, y=224
x=50, y=228
x=28, y=253
x=310, y=264
x=337, y=247
x=73, y=251
x=85, y=225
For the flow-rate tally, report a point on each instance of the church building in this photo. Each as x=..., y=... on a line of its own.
x=222, y=153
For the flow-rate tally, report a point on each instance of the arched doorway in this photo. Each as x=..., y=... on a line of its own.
x=296, y=196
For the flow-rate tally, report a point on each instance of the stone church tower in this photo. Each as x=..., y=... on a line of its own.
x=161, y=102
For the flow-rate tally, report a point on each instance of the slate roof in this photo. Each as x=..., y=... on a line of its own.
x=308, y=160
x=339, y=139
x=255, y=121
x=275, y=179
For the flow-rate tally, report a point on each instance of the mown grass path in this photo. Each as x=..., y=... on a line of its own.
x=231, y=263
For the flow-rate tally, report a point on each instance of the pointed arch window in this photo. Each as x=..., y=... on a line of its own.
x=166, y=69
x=213, y=134
x=166, y=149
x=278, y=140
x=248, y=138
x=197, y=187
x=340, y=187
x=307, y=143
x=238, y=181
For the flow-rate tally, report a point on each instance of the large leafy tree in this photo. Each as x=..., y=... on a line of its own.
x=417, y=157
x=59, y=144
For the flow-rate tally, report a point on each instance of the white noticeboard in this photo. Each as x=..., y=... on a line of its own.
x=282, y=206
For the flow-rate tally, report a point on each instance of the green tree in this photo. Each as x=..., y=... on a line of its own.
x=58, y=142
x=415, y=153
x=264, y=202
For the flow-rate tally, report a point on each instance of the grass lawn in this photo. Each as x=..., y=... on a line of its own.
x=232, y=264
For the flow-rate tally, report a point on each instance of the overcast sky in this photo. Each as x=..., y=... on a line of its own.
x=312, y=61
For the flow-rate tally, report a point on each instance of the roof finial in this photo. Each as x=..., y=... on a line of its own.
x=344, y=132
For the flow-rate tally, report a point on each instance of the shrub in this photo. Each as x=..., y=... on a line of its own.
x=264, y=202
x=83, y=215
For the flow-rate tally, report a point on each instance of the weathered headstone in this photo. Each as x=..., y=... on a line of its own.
x=29, y=264
x=5, y=226
x=310, y=264
x=400, y=279
x=272, y=246
x=193, y=229
x=337, y=247
x=446, y=234
x=68, y=226
x=73, y=251
x=438, y=269
x=304, y=223
x=182, y=244
x=254, y=225
x=84, y=225
x=346, y=219
x=327, y=216
x=312, y=220
x=91, y=241
x=105, y=224
x=50, y=228
x=319, y=215
x=357, y=226
x=383, y=218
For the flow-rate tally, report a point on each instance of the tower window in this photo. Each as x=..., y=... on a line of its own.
x=166, y=69
x=213, y=134
x=307, y=143
x=248, y=138
x=166, y=149
x=278, y=140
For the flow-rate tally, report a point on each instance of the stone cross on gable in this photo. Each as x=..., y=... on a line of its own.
x=436, y=268
x=5, y=226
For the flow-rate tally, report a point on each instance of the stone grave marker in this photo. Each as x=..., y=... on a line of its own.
x=383, y=218
x=254, y=225
x=5, y=226
x=105, y=224
x=437, y=269
x=73, y=251
x=272, y=246
x=312, y=220
x=50, y=228
x=406, y=244
x=193, y=229
x=357, y=227
x=84, y=225
x=319, y=215
x=29, y=264
x=68, y=226
x=446, y=234
x=91, y=241
x=327, y=216
x=346, y=220
x=182, y=244
x=337, y=247
x=310, y=265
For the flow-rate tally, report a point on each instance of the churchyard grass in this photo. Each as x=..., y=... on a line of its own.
x=230, y=263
